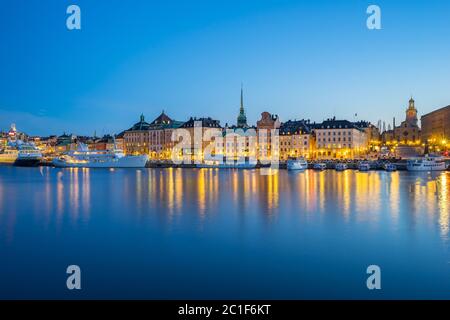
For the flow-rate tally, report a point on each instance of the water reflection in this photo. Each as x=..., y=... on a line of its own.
x=177, y=196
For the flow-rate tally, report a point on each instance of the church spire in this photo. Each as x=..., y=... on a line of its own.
x=242, y=119
x=242, y=99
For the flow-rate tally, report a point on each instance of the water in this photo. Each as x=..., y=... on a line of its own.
x=208, y=233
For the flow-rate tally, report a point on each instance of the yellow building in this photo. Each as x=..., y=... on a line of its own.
x=154, y=139
x=268, y=138
x=196, y=131
x=340, y=139
x=436, y=129
x=296, y=140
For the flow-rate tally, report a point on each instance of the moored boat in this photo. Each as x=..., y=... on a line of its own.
x=363, y=166
x=297, y=164
x=28, y=156
x=319, y=166
x=234, y=164
x=8, y=155
x=85, y=158
x=390, y=167
x=427, y=163
x=341, y=167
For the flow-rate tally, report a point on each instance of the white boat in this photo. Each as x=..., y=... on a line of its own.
x=341, y=167
x=319, y=166
x=426, y=163
x=8, y=155
x=390, y=167
x=226, y=165
x=28, y=156
x=297, y=164
x=85, y=158
x=363, y=166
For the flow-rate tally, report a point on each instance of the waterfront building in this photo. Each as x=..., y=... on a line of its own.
x=340, y=139
x=196, y=128
x=296, y=139
x=408, y=133
x=65, y=142
x=48, y=144
x=404, y=141
x=104, y=143
x=136, y=137
x=373, y=135
x=154, y=139
x=268, y=136
x=436, y=129
x=120, y=142
x=239, y=141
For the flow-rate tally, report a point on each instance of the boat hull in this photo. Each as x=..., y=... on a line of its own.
x=436, y=167
x=124, y=162
x=8, y=160
x=27, y=162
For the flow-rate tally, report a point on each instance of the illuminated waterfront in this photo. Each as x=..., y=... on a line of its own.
x=209, y=233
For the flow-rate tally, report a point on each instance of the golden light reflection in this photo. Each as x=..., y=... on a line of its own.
x=59, y=195
x=86, y=193
x=74, y=194
x=443, y=199
x=201, y=196
x=344, y=192
x=393, y=188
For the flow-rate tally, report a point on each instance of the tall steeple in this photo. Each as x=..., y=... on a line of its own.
x=242, y=99
x=411, y=113
x=242, y=119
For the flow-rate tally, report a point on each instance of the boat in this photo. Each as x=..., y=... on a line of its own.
x=85, y=158
x=297, y=164
x=427, y=163
x=234, y=164
x=390, y=167
x=320, y=166
x=28, y=155
x=341, y=167
x=363, y=166
x=8, y=155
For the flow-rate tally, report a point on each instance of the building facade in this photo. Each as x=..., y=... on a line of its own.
x=296, y=140
x=436, y=125
x=154, y=139
x=436, y=130
x=193, y=136
x=340, y=139
x=268, y=136
x=408, y=133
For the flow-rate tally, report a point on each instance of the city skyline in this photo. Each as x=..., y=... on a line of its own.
x=190, y=60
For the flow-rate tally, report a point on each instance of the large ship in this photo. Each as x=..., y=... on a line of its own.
x=28, y=156
x=427, y=163
x=85, y=158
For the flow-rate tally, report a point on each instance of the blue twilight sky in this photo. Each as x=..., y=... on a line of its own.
x=299, y=59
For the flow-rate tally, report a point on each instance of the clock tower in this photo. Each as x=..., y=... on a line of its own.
x=411, y=113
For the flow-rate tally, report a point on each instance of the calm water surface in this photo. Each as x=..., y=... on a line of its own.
x=208, y=233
